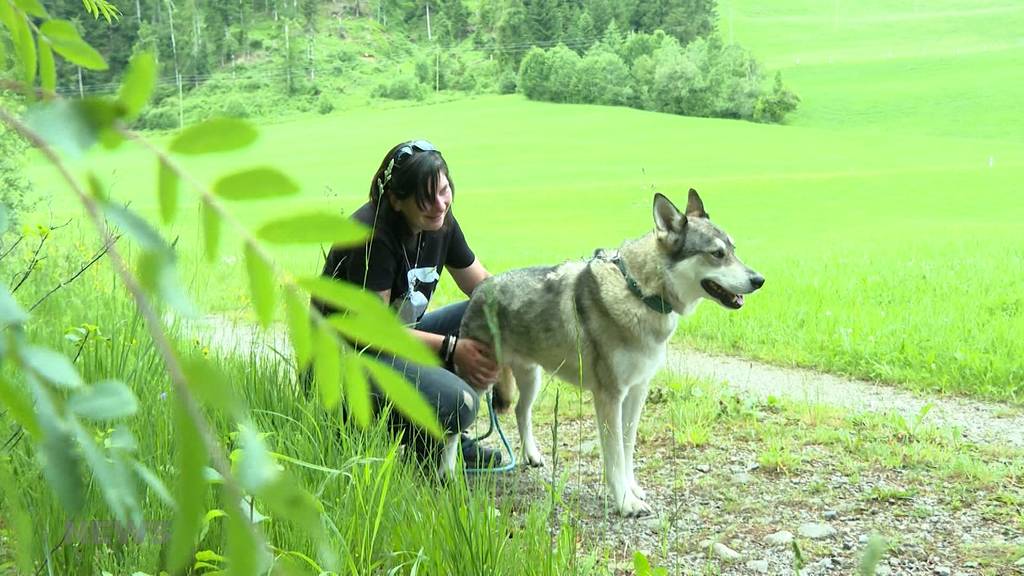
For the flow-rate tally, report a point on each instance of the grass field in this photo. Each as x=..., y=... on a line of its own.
x=886, y=217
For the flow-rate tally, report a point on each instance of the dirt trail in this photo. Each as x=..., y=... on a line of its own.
x=986, y=422
x=980, y=421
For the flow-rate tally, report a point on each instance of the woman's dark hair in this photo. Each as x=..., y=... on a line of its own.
x=414, y=175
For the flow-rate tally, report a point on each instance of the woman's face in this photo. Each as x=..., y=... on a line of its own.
x=431, y=218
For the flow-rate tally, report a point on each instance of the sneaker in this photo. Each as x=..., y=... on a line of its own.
x=476, y=455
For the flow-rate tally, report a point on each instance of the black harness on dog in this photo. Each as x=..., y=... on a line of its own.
x=655, y=302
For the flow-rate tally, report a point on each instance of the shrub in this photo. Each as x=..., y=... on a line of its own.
x=324, y=105
x=401, y=87
x=234, y=107
x=534, y=74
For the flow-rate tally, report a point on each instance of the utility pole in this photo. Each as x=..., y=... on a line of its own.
x=177, y=73
x=288, y=54
x=429, y=35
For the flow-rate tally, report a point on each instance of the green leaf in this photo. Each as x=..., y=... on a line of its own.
x=357, y=389
x=370, y=322
x=112, y=477
x=59, y=457
x=317, y=228
x=10, y=311
x=25, y=48
x=73, y=125
x=154, y=482
x=105, y=400
x=66, y=41
x=256, y=468
x=327, y=366
x=346, y=296
x=32, y=7
x=17, y=520
x=137, y=86
x=255, y=184
x=135, y=226
x=158, y=274
x=19, y=407
x=52, y=366
x=245, y=557
x=389, y=337
x=47, y=68
x=297, y=311
x=190, y=490
x=207, y=382
x=167, y=188
x=405, y=397
x=211, y=230
x=261, y=284
x=215, y=135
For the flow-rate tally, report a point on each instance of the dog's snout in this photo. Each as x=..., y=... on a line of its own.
x=757, y=281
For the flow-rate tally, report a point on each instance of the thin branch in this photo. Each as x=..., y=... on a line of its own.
x=35, y=256
x=11, y=249
x=153, y=324
x=99, y=254
x=32, y=264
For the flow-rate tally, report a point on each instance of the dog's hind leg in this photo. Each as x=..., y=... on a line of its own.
x=632, y=406
x=528, y=380
x=449, y=455
x=608, y=405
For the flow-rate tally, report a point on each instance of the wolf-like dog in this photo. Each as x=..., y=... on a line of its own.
x=614, y=313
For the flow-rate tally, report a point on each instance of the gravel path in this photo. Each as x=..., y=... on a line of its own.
x=982, y=422
x=979, y=421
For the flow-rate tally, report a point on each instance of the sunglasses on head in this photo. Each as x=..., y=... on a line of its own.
x=407, y=150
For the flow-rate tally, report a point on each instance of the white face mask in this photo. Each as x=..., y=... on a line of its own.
x=415, y=302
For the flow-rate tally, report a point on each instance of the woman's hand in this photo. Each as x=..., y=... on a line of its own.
x=474, y=361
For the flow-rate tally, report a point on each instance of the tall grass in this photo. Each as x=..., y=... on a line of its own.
x=384, y=512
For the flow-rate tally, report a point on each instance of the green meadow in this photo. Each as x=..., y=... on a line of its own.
x=886, y=214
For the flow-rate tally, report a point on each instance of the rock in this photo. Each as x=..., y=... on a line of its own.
x=780, y=538
x=831, y=515
x=1019, y=562
x=742, y=478
x=725, y=553
x=882, y=571
x=863, y=539
x=816, y=531
x=760, y=566
x=943, y=571
x=703, y=468
x=653, y=522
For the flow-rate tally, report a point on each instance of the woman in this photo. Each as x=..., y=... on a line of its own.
x=414, y=235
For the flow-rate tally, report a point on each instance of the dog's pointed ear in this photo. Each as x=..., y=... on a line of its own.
x=695, y=206
x=667, y=217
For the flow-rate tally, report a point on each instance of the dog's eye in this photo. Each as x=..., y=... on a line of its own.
x=719, y=254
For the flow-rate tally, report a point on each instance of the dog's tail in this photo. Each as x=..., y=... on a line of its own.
x=504, y=389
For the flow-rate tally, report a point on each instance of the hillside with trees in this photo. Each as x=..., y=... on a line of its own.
x=271, y=57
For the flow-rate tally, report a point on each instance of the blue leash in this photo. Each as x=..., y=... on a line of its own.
x=495, y=425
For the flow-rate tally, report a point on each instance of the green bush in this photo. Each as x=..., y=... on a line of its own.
x=234, y=107
x=401, y=87
x=163, y=117
x=534, y=74
x=324, y=105
x=603, y=78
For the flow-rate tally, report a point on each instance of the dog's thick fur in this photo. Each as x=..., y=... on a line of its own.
x=552, y=318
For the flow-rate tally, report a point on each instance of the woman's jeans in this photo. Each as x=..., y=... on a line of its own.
x=455, y=402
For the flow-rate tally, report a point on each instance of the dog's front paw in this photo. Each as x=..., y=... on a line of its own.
x=633, y=507
x=532, y=455
x=639, y=492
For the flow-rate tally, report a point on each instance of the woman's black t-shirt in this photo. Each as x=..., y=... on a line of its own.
x=392, y=260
